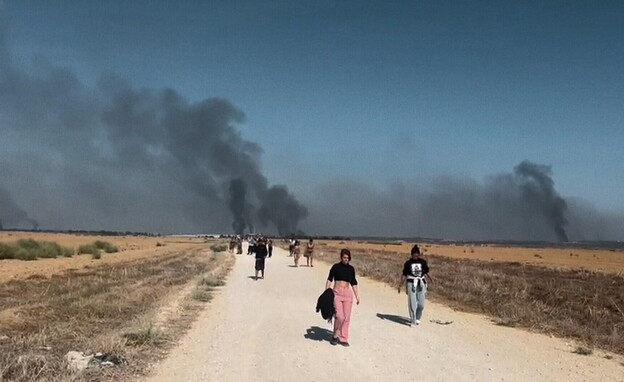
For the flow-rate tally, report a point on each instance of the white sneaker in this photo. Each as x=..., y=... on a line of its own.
x=417, y=322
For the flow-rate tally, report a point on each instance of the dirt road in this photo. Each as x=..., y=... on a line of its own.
x=267, y=330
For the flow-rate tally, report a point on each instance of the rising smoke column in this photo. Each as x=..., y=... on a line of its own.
x=128, y=158
x=238, y=189
x=11, y=215
x=277, y=206
x=282, y=209
x=538, y=191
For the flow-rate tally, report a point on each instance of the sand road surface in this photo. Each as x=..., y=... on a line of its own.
x=268, y=330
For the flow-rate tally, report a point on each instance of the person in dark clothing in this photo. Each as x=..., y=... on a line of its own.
x=239, y=246
x=261, y=254
x=270, y=245
x=342, y=274
x=415, y=274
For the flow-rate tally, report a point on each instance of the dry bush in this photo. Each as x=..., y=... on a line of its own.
x=586, y=306
x=92, y=309
x=95, y=249
x=145, y=336
x=582, y=350
x=89, y=249
x=202, y=294
x=219, y=247
x=105, y=246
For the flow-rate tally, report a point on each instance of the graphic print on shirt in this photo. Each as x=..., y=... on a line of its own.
x=416, y=269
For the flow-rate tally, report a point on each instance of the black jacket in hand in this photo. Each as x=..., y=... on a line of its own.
x=325, y=304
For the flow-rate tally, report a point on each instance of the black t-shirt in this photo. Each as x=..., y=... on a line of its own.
x=415, y=268
x=342, y=272
x=261, y=251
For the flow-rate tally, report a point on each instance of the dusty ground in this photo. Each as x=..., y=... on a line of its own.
x=131, y=248
x=267, y=330
x=600, y=260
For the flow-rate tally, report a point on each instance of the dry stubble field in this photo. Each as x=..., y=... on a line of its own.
x=135, y=303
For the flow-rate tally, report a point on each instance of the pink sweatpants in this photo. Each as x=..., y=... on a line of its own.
x=343, y=301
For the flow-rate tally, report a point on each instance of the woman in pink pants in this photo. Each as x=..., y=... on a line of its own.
x=342, y=274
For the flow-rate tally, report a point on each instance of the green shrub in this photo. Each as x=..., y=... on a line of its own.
x=88, y=249
x=50, y=250
x=28, y=244
x=25, y=254
x=29, y=249
x=68, y=252
x=7, y=251
x=96, y=247
x=105, y=246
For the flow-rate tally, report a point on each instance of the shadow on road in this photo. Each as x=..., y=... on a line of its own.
x=315, y=333
x=394, y=318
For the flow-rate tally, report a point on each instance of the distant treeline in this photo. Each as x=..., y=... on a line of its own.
x=608, y=245
x=87, y=233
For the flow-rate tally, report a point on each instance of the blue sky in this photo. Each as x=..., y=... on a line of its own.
x=370, y=91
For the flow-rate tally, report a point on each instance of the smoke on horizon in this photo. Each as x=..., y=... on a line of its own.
x=110, y=156
x=520, y=205
x=11, y=215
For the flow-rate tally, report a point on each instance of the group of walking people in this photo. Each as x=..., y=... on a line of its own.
x=343, y=284
x=414, y=278
x=258, y=246
x=294, y=249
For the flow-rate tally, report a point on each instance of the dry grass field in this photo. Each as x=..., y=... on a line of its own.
x=130, y=248
x=599, y=260
x=572, y=293
x=134, y=303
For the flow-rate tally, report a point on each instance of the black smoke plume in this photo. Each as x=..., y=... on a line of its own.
x=238, y=190
x=111, y=156
x=539, y=194
x=282, y=209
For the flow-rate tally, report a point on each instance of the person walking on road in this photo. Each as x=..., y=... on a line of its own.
x=309, y=253
x=296, y=253
x=270, y=246
x=252, y=246
x=342, y=274
x=415, y=272
x=291, y=247
x=239, y=245
x=261, y=254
